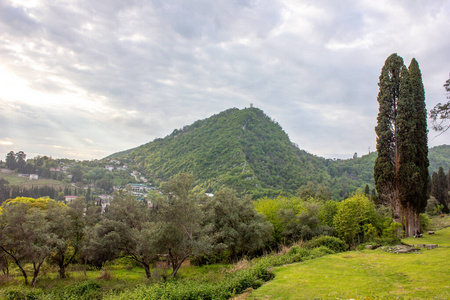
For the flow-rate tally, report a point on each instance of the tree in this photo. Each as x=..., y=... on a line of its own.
x=181, y=234
x=352, y=215
x=25, y=236
x=235, y=226
x=439, y=188
x=367, y=190
x=11, y=160
x=20, y=161
x=67, y=224
x=441, y=112
x=131, y=221
x=4, y=190
x=401, y=168
x=412, y=164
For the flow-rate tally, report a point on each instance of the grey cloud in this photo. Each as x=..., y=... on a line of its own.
x=174, y=63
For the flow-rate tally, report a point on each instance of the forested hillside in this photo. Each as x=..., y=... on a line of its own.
x=246, y=150
x=243, y=149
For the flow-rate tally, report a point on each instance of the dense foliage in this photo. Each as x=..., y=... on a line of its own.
x=242, y=149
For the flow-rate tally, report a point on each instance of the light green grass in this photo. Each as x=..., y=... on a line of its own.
x=368, y=274
x=14, y=179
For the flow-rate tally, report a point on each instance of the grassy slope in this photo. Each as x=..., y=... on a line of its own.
x=14, y=179
x=369, y=273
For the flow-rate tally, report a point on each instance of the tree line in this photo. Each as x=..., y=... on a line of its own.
x=181, y=223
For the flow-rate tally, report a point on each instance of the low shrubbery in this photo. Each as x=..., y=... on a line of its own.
x=333, y=243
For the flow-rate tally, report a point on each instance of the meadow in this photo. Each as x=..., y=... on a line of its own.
x=368, y=274
x=316, y=274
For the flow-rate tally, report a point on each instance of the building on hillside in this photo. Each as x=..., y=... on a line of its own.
x=137, y=187
x=69, y=199
x=34, y=177
x=103, y=201
x=109, y=168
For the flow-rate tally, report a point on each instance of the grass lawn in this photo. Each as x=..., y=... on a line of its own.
x=368, y=274
x=14, y=179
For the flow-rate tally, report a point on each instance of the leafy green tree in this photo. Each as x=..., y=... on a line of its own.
x=20, y=161
x=352, y=217
x=236, y=227
x=328, y=212
x=11, y=160
x=25, y=237
x=131, y=222
x=271, y=208
x=67, y=224
x=180, y=219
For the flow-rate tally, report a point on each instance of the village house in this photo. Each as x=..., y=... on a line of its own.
x=69, y=199
x=34, y=177
x=109, y=168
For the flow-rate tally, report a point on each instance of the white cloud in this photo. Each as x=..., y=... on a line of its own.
x=114, y=75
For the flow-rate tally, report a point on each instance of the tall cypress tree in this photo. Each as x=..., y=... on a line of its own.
x=420, y=139
x=401, y=168
x=385, y=172
x=439, y=188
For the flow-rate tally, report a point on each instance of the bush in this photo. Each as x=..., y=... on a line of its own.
x=319, y=252
x=83, y=290
x=23, y=294
x=332, y=243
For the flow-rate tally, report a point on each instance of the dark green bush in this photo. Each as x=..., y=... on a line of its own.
x=333, y=243
x=23, y=294
x=83, y=290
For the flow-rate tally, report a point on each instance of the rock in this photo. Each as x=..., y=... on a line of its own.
x=431, y=246
x=368, y=246
x=421, y=245
x=430, y=232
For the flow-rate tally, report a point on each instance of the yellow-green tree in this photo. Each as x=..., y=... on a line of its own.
x=352, y=215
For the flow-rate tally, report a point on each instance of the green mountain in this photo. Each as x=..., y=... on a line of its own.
x=246, y=150
x=243, y=149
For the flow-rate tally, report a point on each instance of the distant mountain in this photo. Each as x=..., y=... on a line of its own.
x=243, y=149
x=246, y=150
x=439, y=157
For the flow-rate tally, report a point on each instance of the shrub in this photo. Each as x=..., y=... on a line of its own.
x=319, y=252
x=332, y=243
x=23, y=294
x=83, y=290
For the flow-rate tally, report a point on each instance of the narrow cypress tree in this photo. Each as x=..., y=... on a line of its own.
x=420, y=139
x=407, y=170
x=385, y=169
x=401, y=168
x=439, y=189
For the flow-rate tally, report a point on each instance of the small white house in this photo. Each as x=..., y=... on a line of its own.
x=69, y=199
x=34, y=176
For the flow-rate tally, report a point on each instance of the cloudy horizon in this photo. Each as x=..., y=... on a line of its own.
x=85, y=79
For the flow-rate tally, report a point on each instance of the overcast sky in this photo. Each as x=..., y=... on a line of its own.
x=85, y=79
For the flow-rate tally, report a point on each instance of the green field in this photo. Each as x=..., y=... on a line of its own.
x=367, y=274
x=14, y=179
